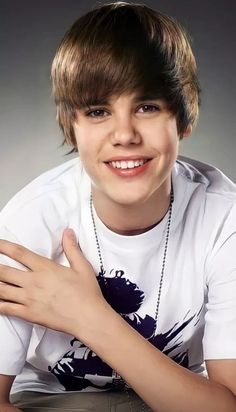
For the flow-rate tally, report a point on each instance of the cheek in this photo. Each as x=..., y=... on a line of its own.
x=89, y=139
x=171, y=144
x=166, y=137
x=88, y=149
x=83, y=141
x=172, y=139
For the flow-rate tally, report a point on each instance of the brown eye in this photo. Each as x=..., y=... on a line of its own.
x=96, y=113
x=149, y=108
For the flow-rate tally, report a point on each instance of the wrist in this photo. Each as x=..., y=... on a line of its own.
x=109, y=336
x=96, y=324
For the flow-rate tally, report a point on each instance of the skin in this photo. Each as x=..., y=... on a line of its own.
x=9, y=408
x=38, y=295
x=128, y=126
x=5, y=386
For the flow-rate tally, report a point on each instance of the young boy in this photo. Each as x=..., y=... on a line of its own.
x=158, y=232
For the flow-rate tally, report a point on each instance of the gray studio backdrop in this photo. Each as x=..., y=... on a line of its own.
x=30, y=31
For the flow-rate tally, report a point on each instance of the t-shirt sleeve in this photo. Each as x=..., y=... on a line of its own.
x=219, y=340
x=14, y=333
x=37, y=225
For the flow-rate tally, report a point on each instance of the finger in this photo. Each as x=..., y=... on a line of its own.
x=12, y=275
x=23, y=255
x=72, y=250
x=11, y=293
x=14, y=309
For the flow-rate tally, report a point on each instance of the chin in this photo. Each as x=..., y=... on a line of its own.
x=130, y=198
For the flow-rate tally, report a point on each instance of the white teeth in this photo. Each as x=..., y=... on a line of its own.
x=130, y=164
x=123, y=164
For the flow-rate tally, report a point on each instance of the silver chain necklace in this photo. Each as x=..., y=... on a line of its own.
x=117, y=381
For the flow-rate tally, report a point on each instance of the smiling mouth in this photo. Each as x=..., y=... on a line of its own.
x=129, y=164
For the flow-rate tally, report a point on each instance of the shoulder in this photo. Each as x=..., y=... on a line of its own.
x=37, y=215
x=211, y=177
x=210, y=210
x=52, y=183
x=206, y=199
x=205, y=184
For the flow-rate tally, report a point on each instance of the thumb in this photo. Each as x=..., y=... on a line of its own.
x=71, y=248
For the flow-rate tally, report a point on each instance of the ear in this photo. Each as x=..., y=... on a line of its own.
x=188, y=131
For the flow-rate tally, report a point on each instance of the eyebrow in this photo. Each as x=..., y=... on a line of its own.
x=105, y=102
x=93, y=102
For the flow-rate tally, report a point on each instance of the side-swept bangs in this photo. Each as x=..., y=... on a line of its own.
x=120, y=48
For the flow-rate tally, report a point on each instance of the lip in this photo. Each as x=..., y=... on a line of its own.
x=127, y=158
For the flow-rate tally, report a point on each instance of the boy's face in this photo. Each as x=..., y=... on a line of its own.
x=128, y=147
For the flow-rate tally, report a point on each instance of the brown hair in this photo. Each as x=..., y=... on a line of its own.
x=120, y=47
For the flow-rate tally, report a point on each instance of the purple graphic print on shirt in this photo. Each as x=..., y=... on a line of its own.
x=80, y=367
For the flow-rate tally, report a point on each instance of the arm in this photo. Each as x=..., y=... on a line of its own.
x=14, y=341
x=164, y=385
x=39, y=298
x=5, y=387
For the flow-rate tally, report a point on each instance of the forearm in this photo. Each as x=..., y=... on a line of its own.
x=7, y=407
x=159, y=381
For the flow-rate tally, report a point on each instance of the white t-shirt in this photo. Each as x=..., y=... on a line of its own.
x=197, y=313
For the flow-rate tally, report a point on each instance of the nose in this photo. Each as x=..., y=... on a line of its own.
x=125, y=132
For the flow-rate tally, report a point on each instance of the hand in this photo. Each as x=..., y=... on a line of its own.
x=49, y=294
x=7, y=407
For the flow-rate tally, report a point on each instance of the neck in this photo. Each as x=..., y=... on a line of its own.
x=132, y=219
